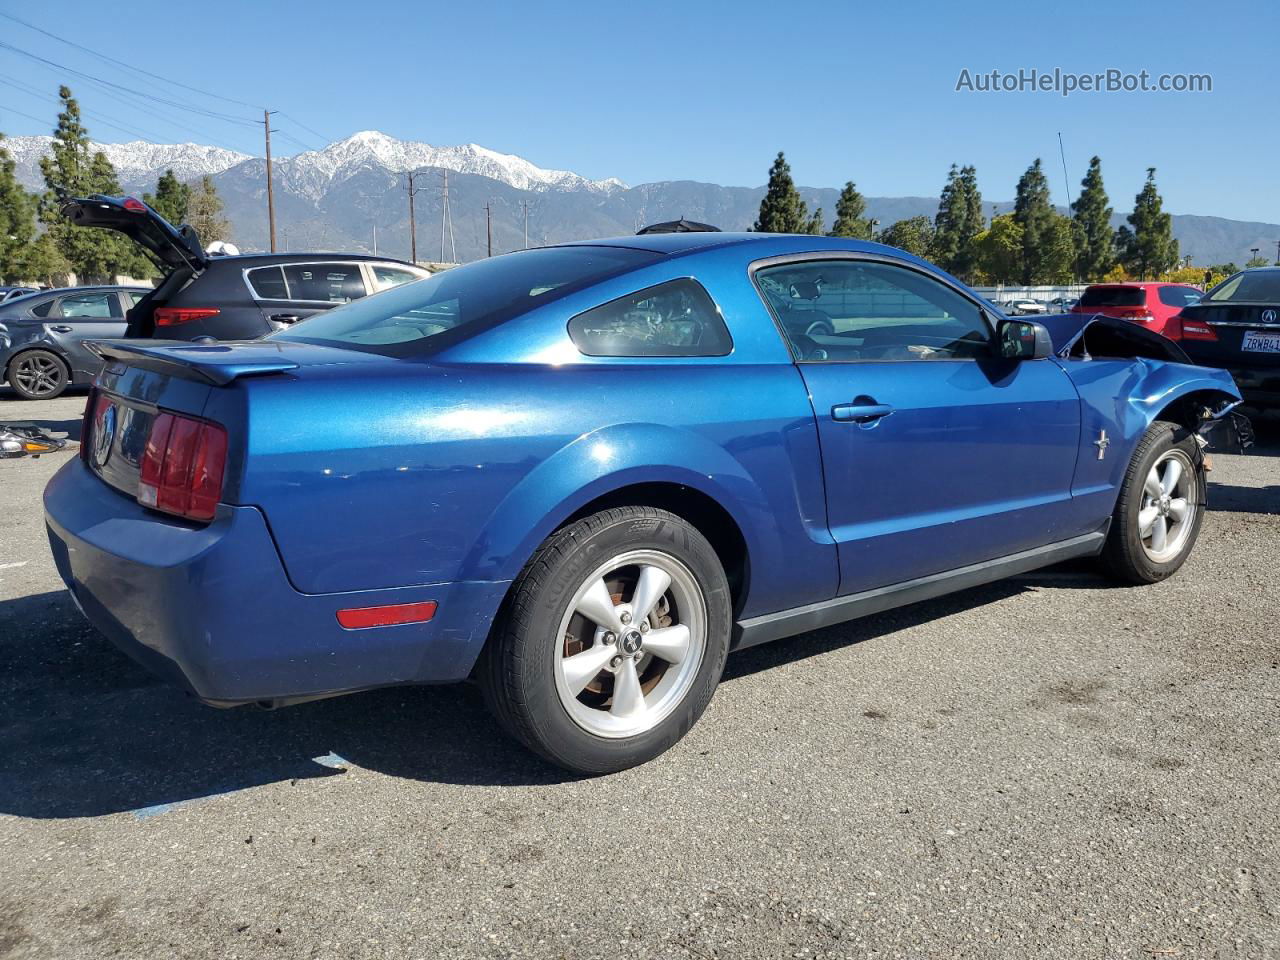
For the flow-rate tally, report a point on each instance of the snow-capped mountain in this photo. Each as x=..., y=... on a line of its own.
x=315, y=172
x=138, y=163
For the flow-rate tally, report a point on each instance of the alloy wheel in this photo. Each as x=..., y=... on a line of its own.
x=1169, y=503
x=623, y=665
x=39, y=375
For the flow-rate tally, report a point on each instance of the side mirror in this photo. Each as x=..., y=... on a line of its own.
x=1025, y=340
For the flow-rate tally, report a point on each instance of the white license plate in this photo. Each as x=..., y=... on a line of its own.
x=1255, y=341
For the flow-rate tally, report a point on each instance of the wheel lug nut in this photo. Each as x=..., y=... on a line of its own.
x=616, y=662
x=644, y=626
x=610, y=639
x=626, y=617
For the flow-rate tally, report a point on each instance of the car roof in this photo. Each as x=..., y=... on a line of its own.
x=246, y=259
x=679, y=243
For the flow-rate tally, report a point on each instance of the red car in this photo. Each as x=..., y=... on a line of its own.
x=1154, y=305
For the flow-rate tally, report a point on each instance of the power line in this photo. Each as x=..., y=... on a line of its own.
x=325, y=139
x=94, y=115
x=127, y=66
x=21, y=114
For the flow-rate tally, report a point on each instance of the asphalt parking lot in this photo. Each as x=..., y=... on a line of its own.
x=1050, y=766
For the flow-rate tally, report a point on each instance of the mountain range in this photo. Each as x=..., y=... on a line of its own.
x=351, y=195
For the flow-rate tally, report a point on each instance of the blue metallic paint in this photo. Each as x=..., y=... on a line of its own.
x=358, y=480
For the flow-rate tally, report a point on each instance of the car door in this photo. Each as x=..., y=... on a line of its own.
x=92, y=315
x=937, y=453
x=289, y=292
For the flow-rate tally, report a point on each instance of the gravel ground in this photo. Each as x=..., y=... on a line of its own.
x=1049, y=766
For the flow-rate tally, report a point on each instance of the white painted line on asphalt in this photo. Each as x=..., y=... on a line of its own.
x=10, y=566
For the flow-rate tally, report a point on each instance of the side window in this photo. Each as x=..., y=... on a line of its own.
x=325, y=282
x=384, y=278
x=267, y=283
x=1179, y=296
x=132, y=298
x=864, y=310
x=43, y=309
x=90, y=306
x=674, y=319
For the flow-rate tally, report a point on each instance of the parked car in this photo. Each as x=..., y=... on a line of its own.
x=1237, y=326
x=1022, y=306
x=42, y=336
x=1060, y=304
x=9, y=293
x=583, y=474
x=1154, y=305
x=232, y=297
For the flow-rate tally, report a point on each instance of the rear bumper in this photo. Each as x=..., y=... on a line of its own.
x=211, y=609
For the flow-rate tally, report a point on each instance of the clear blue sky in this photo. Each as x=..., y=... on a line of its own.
x=697, y=90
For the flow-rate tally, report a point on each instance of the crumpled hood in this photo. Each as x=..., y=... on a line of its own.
x=1066, y=330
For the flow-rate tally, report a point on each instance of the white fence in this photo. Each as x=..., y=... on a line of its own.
x=1042, y=293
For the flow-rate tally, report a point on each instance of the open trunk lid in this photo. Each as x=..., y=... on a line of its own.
x=172, y=246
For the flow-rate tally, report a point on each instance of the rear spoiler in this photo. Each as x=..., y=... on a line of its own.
x=213, y=363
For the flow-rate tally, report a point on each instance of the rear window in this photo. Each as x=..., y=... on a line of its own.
x=1179, y=296
x=447, y=307
x=1114, y=297
x=1262, y=286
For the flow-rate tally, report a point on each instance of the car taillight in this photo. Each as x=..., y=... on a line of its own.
x=173, y=316
x=1196, y=330
x=94, y=407
x=182, y=466
x=1133, y=313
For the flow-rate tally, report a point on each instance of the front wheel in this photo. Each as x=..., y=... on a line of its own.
x=39, y=375
x=1160, y=508
x=612, y=642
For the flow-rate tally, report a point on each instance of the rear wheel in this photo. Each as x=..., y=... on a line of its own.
x=612, y=642
x=1160, y=508
x=38, y=375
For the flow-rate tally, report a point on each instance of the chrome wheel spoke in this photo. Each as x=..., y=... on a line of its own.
x=580, y=669
x=650, y=587
x=1146, y=517
x=1178, y=509
x=1152, y=485
x=628, y=698
x=598, y=607
x=1172, y=474
x=669, y=643
x=1159, y=534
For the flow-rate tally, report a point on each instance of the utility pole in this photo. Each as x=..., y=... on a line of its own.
x=1278, y=253
x=488, y=228
x=375, y=239
x=413, y=223
x=446, y=222
x=271, y=197
x=525, y=205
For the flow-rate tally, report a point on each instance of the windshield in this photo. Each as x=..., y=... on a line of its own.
x=1261, y=286
x=1114, y=297
x=430, y=314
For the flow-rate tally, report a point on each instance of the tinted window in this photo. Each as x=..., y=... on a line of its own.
x=90, y=306
x=1179, y=296
x=268, y=283
x=1257, y=286
x=132, y=297
x=862, y=310
x=384, y=278
x=327, y=282
x=1114, y=297
x=676, y=319
x=454, y=304
x=42, y=309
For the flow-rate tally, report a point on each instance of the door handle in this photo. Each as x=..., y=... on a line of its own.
x=285, y=317
x=60, y=328
x=862, y=410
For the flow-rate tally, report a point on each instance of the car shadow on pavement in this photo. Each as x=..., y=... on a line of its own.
x=1230, y=498
x=84, y=731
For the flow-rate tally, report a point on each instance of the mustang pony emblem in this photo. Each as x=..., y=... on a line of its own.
x=1102, y=443
x=105, y=434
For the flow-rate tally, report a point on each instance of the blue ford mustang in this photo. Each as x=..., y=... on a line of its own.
x=583, y=474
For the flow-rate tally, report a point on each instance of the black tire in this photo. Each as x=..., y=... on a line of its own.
x=1125, y=556
x=38, y=375
x=518, y=671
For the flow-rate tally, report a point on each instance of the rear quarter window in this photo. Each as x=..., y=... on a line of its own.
x=674, y=319
x=267, y=283
x=1179, y=296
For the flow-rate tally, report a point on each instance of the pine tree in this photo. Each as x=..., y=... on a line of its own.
x=781, y=209
x=1092, y=213
x=1146, y=247
x=1034, y=213
x=17, y=221
x=204, y=213
x=851, y=219
x=914, y=235
x=171, y=198
x=73, y=169
x=958, y=222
